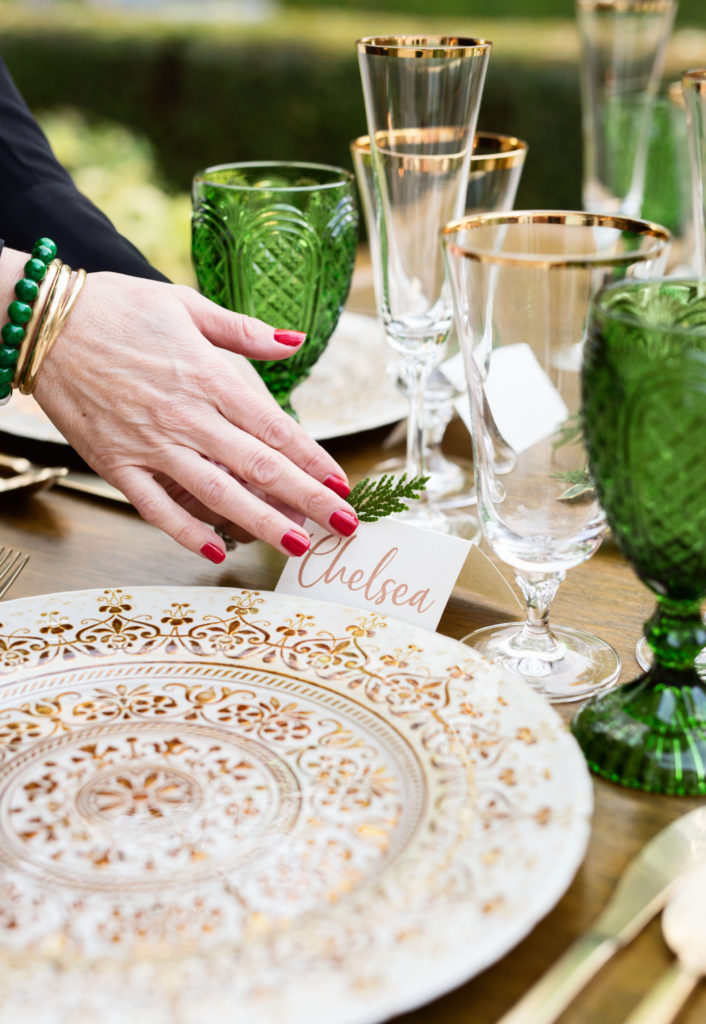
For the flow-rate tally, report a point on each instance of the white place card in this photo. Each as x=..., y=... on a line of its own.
x=388, y=567
x=525, y=404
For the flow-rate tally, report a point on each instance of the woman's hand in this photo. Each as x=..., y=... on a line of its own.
x=140, y=385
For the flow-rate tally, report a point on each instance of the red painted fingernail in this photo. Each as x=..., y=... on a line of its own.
x=294, y=543
x=292, y=338
x=337, y=484
x=343, y=522
x=213, y=553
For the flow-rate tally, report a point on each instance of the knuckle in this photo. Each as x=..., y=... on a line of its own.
x=212, y=490
x=248, y=329
x=149, y=508
x=201, y=378
x=182, y=534
x=317, y=506
x=262, y=524
x=276, y=429
x=311, y=461
x=263, y=470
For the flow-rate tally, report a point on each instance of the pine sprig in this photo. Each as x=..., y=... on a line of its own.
x=374, y=499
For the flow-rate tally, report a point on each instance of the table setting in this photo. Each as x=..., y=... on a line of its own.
x=227, y=795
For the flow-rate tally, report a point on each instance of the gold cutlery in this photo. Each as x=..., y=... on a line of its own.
x=29, y=474
x=685, y=934
x=12, y=563
x=644, y=888
x=37, y=478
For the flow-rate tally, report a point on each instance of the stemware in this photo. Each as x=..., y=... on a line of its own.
x=692, y=95
x=494, y=175
x=277, y=241
x=644, y=414
x=521, y=286
x=694, y=92
x=421, y=98
x=623, y=50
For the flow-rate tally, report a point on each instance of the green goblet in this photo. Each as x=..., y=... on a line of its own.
x=644, y=416
x=277, y=241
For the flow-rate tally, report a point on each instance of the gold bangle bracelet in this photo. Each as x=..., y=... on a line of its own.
x=46, y=289
x=66, y=291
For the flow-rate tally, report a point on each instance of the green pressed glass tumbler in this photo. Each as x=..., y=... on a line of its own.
x=277, y=241
x=644, y=416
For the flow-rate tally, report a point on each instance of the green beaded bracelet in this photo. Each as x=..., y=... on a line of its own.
x=20, y=311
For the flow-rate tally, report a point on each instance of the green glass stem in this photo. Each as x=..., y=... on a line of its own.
x=676, y=633
x=651, y=733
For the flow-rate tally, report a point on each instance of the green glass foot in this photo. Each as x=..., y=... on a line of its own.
x=649, y=734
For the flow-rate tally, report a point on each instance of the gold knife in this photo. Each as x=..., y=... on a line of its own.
x=90, y=483
x=644, y=888
x=86, y=483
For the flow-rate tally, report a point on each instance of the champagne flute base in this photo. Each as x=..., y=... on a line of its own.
x=579, y=666
x=649, y=734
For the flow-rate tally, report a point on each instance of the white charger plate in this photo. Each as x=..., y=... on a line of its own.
x=230, y=806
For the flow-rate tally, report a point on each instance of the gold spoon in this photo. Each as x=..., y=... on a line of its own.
x=27, y=476
x=684, y=930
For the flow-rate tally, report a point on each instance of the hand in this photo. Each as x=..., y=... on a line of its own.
x=140, y=385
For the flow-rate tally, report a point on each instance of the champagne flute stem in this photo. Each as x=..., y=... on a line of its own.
x=416, y=374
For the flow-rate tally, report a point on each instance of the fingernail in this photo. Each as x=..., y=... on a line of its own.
x=294, y=543
x=337, y=484
x=213, y=553
x=292, y=338
x=343, y=522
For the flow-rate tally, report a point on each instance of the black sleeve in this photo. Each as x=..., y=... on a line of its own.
x=38, y=198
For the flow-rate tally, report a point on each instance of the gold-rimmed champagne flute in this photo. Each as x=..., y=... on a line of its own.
x=694, y=93
x=623, y=52
x=522, y=284
x=494, y=175
x=421, y=98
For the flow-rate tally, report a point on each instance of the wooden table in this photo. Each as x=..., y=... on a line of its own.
x=79, y=542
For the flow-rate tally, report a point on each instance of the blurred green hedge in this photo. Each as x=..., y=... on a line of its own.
x=202, y=100
x=689, y=12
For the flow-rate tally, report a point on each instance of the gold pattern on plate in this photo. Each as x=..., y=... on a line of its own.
x=215, y=799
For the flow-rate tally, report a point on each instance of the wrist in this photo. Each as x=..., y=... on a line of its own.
x=45, y=293
x=12, y=265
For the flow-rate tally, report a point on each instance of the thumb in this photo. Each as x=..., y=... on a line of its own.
x=239, y=333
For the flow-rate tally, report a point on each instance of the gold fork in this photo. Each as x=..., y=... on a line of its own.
x=12, y=563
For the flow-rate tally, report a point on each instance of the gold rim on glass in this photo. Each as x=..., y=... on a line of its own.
x=574, y=218
x=695, y=79
x=490, y=149
x=340, y=176
x=425, y=47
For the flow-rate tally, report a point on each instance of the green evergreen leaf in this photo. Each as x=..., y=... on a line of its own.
x=374, y=499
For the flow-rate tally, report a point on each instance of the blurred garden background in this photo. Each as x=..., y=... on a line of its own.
x=136, y=95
